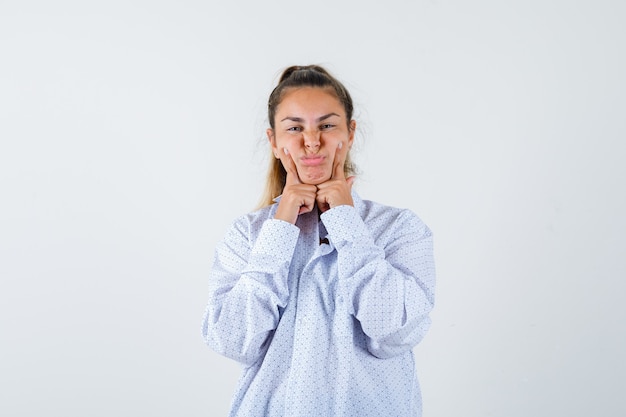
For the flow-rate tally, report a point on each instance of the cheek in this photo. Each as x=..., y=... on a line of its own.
x=332, y=144
x=286, y=142
x=335, y=139
x=294, y=146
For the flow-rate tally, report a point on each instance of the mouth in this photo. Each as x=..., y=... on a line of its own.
x=311, y=161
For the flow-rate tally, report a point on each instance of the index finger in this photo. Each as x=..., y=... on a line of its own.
x=340, y=160
x=290, y=167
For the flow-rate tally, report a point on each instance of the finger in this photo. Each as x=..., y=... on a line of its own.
x=322, y=202
x=305, y=208
x=290, y=167
x=308, y=200
x=350, y=180
x=340, y=159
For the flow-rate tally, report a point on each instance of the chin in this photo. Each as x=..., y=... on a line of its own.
x=315, y=178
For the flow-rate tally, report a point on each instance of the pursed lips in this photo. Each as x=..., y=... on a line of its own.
x=312, y=160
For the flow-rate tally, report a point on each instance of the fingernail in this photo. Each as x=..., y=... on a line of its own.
x=340, y=145
x=286, y=151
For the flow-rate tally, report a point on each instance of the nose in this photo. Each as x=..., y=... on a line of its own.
x=312, y=140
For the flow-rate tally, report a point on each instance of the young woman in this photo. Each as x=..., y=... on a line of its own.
x=321, y=295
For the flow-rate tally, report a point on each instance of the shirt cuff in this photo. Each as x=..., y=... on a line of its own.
x=344, y=224
x=277, y=239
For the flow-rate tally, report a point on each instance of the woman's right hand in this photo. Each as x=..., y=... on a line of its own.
x=297, y=198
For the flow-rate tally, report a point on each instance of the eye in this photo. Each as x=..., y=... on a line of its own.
x=294, y=129
x=327, y=126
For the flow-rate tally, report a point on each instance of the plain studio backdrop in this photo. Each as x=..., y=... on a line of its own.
x=132, y=134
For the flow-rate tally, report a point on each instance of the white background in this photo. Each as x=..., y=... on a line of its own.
x=132, y=134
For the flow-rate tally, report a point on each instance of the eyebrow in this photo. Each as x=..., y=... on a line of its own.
x=319, y=119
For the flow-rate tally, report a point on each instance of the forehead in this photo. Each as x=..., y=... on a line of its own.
x=310, y=100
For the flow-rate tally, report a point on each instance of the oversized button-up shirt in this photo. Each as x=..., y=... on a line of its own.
x=323, y=314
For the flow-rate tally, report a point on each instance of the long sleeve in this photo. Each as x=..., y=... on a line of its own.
x=310, y=319
x=388, y=283
x=248, y=285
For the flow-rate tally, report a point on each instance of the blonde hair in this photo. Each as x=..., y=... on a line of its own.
x=295, y=77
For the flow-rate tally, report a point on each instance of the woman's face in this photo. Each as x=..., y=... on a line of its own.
x=310, y=123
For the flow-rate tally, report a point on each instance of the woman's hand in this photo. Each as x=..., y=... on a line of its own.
x=297, y=198
x=336, y=191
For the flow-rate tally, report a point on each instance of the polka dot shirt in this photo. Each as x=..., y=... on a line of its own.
x=323, y=314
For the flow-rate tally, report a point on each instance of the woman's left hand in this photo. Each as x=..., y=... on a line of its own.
x=337, y=190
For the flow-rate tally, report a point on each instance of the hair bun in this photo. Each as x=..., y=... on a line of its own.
x=288, y=72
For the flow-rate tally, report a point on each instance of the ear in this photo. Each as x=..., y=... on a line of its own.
x=272, y=140
x=351, y=134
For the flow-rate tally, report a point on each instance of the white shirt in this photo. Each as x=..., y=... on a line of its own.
x=323, y=329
